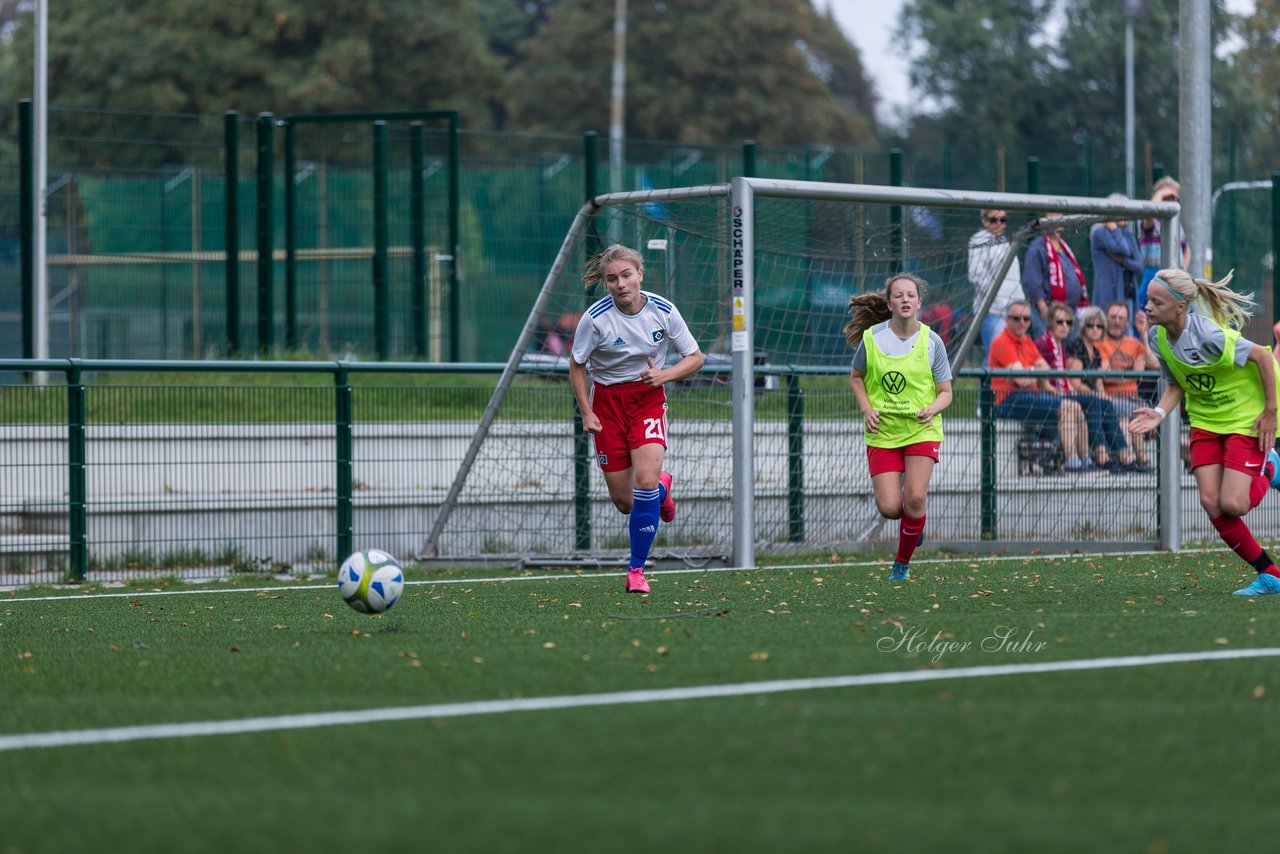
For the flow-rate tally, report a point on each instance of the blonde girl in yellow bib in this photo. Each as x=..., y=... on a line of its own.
x=901, y=380
x=1230, y=387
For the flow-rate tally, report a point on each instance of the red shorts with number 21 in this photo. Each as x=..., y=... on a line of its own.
x=631, y=414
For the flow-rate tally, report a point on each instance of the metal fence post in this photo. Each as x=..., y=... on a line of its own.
x=795, y=459
x=1086, y=157
x=987, y=419
x=27, y=224
x=1275, y=236
x=343, y=455
x=381, y=302
x=290, y=236
x=895, y=212
x=455, y=244
x=266, y=263
x=231, y=237
x=76, y=488
x=417, y=226
x=581, y=444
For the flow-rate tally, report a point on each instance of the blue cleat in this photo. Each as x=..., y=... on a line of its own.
x=902, y=571
x=1262, y=585
x=1273, y=460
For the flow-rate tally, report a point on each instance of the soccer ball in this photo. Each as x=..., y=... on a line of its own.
x=370, y=581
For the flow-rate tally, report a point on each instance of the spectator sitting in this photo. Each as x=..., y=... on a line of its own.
x=1117, y=262
x=1099, y=416
x=1123, y=352
x=987, y=248
x=1050, y=272
x=1084, y=354
x=1027, y=399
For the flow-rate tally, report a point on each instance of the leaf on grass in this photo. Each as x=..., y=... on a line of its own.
x=1221, y=641
x=1259, y=691
x=26, y=654
x=759, y=656
x=279, y=626
x=235, y=649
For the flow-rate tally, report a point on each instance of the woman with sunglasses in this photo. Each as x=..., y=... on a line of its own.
x=1085, y=353
x=1230, y=387
x=1100, y=422
x=987, y=248
x=901, y=380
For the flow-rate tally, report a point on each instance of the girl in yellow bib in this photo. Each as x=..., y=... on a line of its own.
x=901, y=379
x=1230, y=387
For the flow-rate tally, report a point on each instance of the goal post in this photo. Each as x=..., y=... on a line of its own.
x=762, y=270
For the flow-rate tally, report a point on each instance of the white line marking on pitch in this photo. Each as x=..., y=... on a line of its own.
x=571, y=576
x=25, y=741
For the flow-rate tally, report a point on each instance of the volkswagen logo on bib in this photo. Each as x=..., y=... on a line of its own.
x=1203, y=383
x=893, y=382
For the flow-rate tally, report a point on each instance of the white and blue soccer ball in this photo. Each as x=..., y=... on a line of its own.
x=370, y=581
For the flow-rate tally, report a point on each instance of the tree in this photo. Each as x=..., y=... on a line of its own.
x=283, y=56
x=699, y=70
x=1090, y=70
x=998, y=79
x=1259, y=63
x=986, y=66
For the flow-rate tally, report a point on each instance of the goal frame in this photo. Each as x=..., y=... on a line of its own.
x=741, y=194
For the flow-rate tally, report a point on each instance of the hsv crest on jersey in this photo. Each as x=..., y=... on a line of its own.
x=658, y=335
x=602, y=459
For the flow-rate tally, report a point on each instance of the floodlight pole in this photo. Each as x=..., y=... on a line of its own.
x=1129, y=177
x=1195, y=122
x=618, y=94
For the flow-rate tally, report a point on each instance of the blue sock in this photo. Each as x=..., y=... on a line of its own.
x=644, y=523
x=662, y=492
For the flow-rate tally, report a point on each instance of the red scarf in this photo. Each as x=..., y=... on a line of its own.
x=1057, y=281
x=1056, y=357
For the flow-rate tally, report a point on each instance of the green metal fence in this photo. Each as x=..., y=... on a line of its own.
x=139, y=227
x=203, y=468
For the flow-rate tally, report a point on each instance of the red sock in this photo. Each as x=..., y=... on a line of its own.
x=1236, y=534
x=1258, y=490
x=909, y=537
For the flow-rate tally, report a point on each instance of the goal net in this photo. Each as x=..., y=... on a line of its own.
x=765, y=443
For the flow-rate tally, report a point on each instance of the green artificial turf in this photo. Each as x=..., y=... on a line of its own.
x=1162, y=757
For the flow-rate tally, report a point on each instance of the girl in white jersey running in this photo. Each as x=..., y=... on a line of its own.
x=622, y=340
x=1229, y=384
